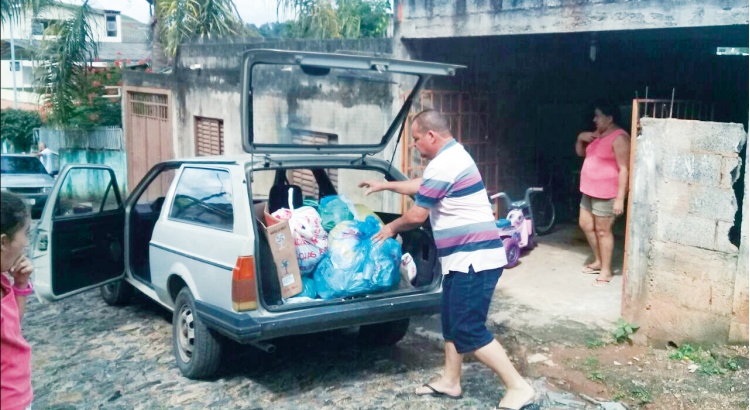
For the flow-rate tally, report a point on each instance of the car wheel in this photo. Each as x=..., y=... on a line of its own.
x=196, y=348
x=117, y=293
x=383, y=334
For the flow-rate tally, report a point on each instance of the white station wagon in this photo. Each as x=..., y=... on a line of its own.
x=188, y=235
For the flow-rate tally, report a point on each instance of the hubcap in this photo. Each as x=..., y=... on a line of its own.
x=185, y=334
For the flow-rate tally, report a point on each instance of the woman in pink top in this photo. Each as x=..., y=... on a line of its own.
x=15, y=352
x=604, y=182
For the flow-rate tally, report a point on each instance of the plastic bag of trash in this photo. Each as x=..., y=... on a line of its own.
x=310, y=239
x=354, y=264
x=333, y=210
x=308, y=288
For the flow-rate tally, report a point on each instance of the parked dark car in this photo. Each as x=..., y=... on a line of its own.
x=25, y=175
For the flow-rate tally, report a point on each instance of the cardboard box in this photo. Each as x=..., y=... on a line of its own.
x=282, y=248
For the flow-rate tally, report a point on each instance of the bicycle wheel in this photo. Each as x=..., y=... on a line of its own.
x=542, y=213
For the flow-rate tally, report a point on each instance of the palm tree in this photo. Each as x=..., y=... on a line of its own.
x=61, y=74
x=13, y=10
x=177, y=21
x=337, y=18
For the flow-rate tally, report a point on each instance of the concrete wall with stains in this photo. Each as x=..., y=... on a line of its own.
x=685, y=281
x=464, y=18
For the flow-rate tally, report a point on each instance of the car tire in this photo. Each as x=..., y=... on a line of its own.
x=117, y=293
x=383, y=334
x=197, y=349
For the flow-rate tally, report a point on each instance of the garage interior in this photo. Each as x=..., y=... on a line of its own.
x=522, y=100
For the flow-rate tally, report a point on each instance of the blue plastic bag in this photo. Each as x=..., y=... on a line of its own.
x=308, y=288
x=332, y=211
x=355, y=265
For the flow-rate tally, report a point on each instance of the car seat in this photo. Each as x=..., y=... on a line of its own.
x=278, y=197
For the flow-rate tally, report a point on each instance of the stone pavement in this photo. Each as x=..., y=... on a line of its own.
x=88, y=355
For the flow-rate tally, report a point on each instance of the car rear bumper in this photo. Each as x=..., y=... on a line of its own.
x=245, y=328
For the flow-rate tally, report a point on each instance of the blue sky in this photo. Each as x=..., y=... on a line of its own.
x=257, y=12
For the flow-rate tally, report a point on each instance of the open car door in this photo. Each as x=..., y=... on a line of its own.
x=78, y=244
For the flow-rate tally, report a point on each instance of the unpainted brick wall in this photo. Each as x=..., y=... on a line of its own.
x=685, y=280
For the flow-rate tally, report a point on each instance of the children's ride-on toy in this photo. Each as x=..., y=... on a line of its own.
x=517, y=228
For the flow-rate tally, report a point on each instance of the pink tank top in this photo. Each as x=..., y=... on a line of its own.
x=15, y=358
x=599, y=175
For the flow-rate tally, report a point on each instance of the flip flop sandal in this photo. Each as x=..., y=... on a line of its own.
x=528, y=406
x=599, y=283
x=589, y=270
x=436, y=393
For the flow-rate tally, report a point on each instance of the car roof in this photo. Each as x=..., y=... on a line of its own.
x=19, y=155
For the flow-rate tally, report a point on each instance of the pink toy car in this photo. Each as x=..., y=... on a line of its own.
x=517, y=228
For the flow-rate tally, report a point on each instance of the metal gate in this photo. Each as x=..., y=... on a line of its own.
x=148, y=130
x=468, y=115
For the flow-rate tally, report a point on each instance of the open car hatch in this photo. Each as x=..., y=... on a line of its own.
x=302, y=102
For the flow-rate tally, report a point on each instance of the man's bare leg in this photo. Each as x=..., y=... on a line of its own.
x=450, y=382
x=517, y=391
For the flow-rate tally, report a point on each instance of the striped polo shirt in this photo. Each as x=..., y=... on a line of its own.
x=460, y=212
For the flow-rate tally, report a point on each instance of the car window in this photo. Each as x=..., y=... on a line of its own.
x=152, y=198
x=21, y=165
x=86, y=191
x=204, y=197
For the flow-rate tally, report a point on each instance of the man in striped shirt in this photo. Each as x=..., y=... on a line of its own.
x=451, y=193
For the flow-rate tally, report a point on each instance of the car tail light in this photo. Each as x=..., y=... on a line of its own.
x=244, y=293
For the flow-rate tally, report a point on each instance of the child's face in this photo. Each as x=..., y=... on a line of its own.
x=12, y=249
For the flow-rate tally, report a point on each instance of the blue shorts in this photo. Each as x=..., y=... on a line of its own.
x=466, y=301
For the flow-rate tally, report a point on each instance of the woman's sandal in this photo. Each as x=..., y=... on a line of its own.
x=589, y=270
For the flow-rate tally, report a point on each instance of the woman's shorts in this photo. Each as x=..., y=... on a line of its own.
x=466, y=301
x=598, y=207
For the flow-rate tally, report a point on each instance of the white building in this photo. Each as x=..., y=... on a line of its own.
x=118, y=37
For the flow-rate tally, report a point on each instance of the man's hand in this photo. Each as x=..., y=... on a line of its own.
x=21, y=271
x=384, y=233
x=373, y=186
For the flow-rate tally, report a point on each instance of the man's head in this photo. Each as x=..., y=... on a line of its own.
x=430, y=132
x=42, y=146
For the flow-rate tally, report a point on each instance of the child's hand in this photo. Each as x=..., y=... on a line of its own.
x=21, y=272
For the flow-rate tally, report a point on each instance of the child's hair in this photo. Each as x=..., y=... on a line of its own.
x=13, y=214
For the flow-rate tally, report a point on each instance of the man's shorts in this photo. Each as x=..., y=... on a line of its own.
x=466, y=301
x=598, y=207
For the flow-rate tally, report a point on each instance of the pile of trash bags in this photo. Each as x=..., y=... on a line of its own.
x=335, y=251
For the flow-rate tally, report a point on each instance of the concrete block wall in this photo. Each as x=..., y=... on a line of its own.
x=685, y=280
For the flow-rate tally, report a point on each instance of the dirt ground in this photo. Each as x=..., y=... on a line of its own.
x=646, y=378
x=547, y=311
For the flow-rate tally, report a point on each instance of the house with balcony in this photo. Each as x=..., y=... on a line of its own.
x=118, y=37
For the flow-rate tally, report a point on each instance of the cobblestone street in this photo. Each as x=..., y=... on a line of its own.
x=87, y=355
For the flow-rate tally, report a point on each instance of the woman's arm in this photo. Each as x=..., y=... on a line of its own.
x=621, y=146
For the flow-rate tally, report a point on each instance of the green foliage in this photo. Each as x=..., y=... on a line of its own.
x=60, y=78
x=642, y=395
x=595, y=343
x=624, y=331
x=708, y=363
x=337, y=18
x=182, y=20
x=596, y=376
x=18, y=127
x=14, y=10
x=275, y=30
x=592, y=361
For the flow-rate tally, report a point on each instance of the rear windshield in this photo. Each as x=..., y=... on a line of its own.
x=21, y=165
x=293, y=105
